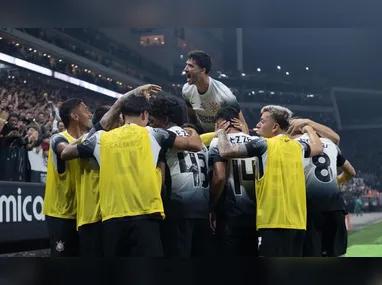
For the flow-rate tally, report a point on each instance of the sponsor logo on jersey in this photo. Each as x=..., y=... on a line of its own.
x=214, y=107
x=207, y=119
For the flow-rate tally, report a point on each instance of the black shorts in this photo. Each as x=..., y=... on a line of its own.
x=281, y=242
x=63, y=237
x=132, y=237
x=90, y=236
x=326, y=233
x=186, y=238
x=236, y=238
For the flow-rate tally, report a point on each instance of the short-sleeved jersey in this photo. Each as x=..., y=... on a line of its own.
x=323, y=193
x=159, y=138
x=188, y=182
x=239, y=193
x=208, y=104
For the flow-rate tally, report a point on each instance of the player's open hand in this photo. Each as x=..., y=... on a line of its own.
x=240, y=125
x=224, y=126
x=296, y=126
x=148, y=90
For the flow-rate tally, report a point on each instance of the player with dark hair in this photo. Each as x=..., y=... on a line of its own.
x=204, y=95
x=60, y=205
x=99, y=113
x=185, y=231
x=167, y=109
x=279, y=179
x=89, y=217
x=130, y=183
x=232, y=184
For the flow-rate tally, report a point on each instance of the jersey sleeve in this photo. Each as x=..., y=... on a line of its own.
x=55, y=141
x=186, y=95
x=87, y=147
x=256, y=147
x=213, y=154
x=340, y=158
x=164, y=137
x=306, y=148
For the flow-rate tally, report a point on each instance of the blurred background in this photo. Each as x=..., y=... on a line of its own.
x=331, y=76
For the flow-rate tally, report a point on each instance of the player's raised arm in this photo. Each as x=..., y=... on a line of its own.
x=315, y=144
x=253, y=148
x=112, y=116
x=322, y=130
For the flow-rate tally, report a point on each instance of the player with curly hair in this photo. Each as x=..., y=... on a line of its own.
x=186, y=230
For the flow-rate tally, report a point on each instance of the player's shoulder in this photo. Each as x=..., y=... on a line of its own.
x=179, y=131
x=327, y=141
x=58, y=137
x=175, y=128
x=302, y=138
x=218, y=85
x=187, y=89
x=158, y=132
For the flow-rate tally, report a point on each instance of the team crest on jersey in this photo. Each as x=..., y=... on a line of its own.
x=60, y=246
x=213, y=106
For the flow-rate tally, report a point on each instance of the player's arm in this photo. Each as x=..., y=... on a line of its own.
x=322, y=130
x=218, y=180
x=256, y=147
x=58, y=144
x=348, y=171
x=84, y=149
x=168, y=139
x=315, y=145
x=112, y=116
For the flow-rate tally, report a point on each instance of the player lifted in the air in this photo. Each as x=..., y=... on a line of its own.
x=204, y=95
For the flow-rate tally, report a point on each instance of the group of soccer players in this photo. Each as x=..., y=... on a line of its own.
x=135, y=180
